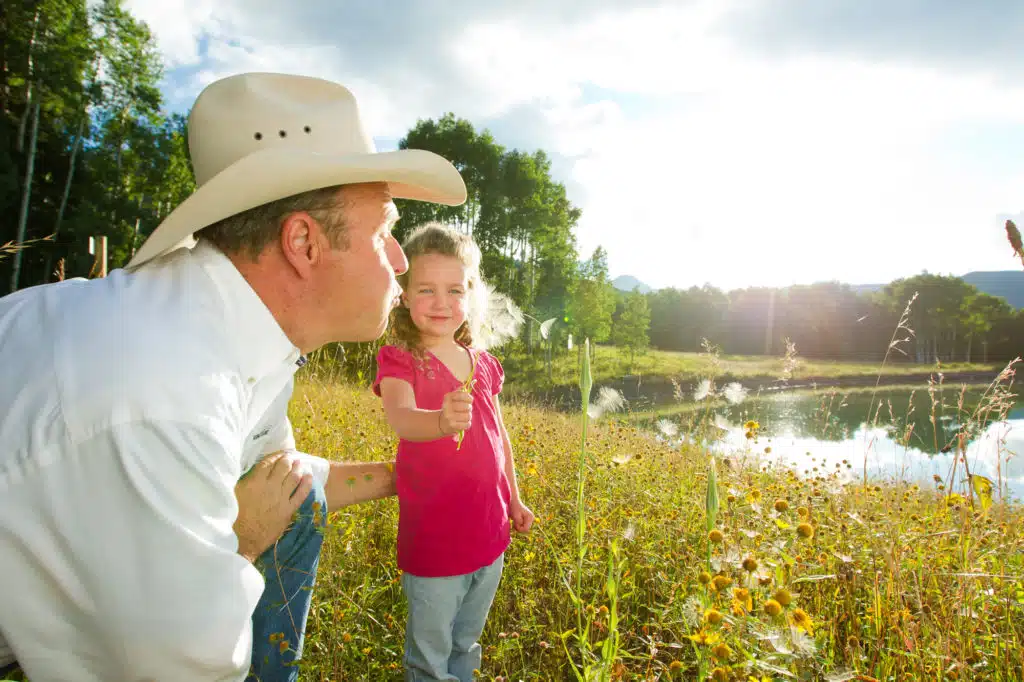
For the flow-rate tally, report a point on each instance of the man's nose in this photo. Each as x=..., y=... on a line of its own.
x=397, y=257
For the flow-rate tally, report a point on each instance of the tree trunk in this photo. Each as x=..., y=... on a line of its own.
x=67, y=190
x=970, y=340
x=26, y=197
x=19, y=144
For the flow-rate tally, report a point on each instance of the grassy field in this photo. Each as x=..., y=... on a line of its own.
x=886, y=583
x=610, y=363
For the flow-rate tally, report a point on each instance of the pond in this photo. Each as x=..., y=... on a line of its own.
x=823, y=432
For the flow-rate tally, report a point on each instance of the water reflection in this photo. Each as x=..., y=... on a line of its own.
x=825, y=433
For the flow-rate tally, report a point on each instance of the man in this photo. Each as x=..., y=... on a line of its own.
x=139, y=537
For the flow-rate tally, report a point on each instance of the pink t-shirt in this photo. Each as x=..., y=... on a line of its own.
x=453, y=504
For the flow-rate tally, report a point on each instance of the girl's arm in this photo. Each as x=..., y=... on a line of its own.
x=414, y=424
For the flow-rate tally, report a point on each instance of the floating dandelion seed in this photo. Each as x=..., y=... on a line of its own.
x=668, y=429
x=496, y=318
x=622, y=459
x=735, y=393
x=608, y=400
x=629, y=533
x=703, y=390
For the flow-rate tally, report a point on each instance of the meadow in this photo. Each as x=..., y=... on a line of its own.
x=638, y=569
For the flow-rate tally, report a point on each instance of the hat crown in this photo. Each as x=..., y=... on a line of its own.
x=251, y=112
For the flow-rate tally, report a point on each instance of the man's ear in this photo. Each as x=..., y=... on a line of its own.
x=301, y=243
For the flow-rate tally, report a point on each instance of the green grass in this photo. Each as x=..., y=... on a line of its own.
x=899, y=582
x=610, y=363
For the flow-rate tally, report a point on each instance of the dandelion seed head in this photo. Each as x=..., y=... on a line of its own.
x=735, y=393
x=703, y=390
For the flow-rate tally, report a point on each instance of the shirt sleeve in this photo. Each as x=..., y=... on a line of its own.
x=157, y=549
x=396, y=363
x=497, y=373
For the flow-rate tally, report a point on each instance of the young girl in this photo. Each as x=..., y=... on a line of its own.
x=454, y=471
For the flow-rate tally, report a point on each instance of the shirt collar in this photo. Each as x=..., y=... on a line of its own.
x=261, y=346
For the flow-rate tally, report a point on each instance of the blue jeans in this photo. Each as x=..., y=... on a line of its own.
x=446, y=618
x=289, y=570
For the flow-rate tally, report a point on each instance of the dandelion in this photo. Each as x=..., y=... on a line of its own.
x=283, y=646
x=704, y=578
x=716, y=536
x=721, y=651
x=805, y=531
x=713, y=616
x=675, y=666
x=772, y=608
x=720, y=674
x=802, y=620
x=750, y=564
x=783, y=597
x=705, y=638
x=802, y=512
x=742, y=600
x=721, y=582
x=781, y=506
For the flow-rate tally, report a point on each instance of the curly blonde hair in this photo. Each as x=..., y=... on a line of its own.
x=435, y=238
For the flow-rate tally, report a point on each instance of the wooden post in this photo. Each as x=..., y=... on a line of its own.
x=103, y=256
x=98, y=248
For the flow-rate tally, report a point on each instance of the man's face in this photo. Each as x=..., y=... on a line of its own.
x=358, y=287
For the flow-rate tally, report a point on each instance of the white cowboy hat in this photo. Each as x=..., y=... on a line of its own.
x=259, y=137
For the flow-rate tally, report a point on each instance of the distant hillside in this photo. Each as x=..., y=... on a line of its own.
x=630, y=283
x=1007, y=284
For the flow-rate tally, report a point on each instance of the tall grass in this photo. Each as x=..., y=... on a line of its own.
x=649, y=561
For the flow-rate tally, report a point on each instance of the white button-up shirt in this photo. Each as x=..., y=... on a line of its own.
x=129, y=408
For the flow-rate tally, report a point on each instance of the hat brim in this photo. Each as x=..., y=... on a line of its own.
x=276, y=173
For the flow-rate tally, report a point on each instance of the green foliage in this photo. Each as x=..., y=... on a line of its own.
x=632, y=323
x=592, y=300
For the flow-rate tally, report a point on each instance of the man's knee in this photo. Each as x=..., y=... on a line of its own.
x=314, y=509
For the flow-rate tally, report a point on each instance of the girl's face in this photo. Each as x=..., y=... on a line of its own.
x=437, y=296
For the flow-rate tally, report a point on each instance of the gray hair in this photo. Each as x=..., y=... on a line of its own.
x=251, y=231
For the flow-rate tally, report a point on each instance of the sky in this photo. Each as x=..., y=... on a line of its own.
x=730, y=142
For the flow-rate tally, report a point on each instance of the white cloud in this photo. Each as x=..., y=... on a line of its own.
x=696, y=159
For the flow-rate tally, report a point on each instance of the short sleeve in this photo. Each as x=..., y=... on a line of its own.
x=396, y=363
x=497, y=373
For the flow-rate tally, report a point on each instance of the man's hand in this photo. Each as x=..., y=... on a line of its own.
x=268, y=497
x=456, y=412
x=522, y=517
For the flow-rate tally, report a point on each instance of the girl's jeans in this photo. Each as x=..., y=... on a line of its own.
x=446, y=618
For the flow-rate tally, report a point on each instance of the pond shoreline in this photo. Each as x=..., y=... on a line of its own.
x=659, y=390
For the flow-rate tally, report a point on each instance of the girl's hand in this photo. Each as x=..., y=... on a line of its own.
x=456, y=412
x=522, y=517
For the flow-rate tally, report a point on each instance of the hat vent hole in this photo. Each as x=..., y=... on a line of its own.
x=282, y=133
x=308, y=130
x=258, y=136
